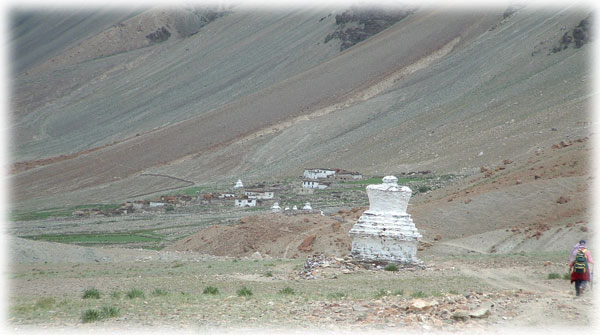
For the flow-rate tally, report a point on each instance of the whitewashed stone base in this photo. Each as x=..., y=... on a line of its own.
x=383, y=238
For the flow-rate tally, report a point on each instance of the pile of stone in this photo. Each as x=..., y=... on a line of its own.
x=322, y=266
x=448, y=312
x=319, y=266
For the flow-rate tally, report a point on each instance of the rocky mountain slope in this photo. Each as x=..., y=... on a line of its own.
x=241, y=92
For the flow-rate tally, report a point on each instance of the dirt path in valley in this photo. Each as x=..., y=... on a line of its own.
x=503, y=278
x=551, y=302
x=189, y=183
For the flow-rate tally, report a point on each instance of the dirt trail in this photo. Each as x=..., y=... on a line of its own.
x=551, y=301
x=188, y=182
x=512, y=280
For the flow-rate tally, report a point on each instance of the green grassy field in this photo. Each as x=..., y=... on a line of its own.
x=99, y=239
x=19, y=215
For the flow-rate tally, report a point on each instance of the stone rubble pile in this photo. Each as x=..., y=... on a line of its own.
x=320, y=266
x=448, y=312
x=315, y=266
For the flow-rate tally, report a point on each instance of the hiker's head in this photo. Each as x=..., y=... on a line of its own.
x=582, y=242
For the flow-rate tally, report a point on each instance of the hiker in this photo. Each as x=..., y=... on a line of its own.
x=579, y=262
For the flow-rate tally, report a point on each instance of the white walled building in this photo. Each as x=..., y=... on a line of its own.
x=320, y=185
x=318, y=173
x=348, y=175
x=255, y=194
x=245, y=202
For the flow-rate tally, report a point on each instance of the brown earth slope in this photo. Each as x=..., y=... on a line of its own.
x=326, y=84
x=448, y=92
x=541, y=204
x=275, y=235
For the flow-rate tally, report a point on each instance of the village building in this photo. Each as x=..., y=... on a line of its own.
x=385, y=232
x=226, y=196
x=171, y=199
x=153, y=204
x=245, y=202
x=259, y=194
x=348, y=175
x=318, y=173
x=185, y=199
x=315, y=184
x=305, y=191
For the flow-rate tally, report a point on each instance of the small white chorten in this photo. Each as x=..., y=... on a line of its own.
x=307, y=207
x=276, y=208
x=239, y=184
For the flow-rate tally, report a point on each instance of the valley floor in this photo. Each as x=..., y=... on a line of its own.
x=474, y=293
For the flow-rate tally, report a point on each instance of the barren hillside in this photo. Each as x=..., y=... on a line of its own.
x=222, y=93
x=255, y=94
x=538, y=205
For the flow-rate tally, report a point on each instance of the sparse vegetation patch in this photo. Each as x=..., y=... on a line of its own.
x=135, y=293
x=554, y=275
x=159, y=292
x=90, y=315
x=45, y=303
x=287, y=291
x=418, y=294
x=91, y=293
x=210, y=290
x=110, y=312
x=106, y=312
x=381, y=293
x=336, y=295
x=244, y=292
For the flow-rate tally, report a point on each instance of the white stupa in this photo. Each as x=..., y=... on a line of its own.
x=239, y=184
x=385, y=232
x=275, y=208
x=295, y=208
x=307, y=207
